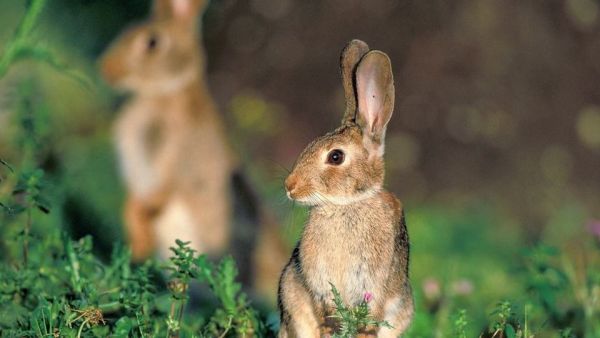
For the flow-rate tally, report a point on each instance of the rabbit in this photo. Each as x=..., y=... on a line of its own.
x=183, y=180
x=355, y=236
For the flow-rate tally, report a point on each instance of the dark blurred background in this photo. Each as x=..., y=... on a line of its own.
x=494, y=144
x=497, y=101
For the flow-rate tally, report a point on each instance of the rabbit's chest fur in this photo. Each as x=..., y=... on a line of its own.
x=351, y=247
x=158, y=139
x=176, y=147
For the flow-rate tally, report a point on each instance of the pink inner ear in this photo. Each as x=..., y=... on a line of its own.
x=181, y=8
x=371, y=101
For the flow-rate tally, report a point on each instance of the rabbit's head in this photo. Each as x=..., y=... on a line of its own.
x=159, y=55
x=346, y=165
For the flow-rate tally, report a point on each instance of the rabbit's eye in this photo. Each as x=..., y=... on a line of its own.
x=335, y=157
x=152, y=42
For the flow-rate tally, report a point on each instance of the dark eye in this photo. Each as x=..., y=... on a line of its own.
x=152, y=42
x=335, y=157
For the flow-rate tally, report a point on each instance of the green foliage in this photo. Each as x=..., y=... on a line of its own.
x=23, y=45
x=505, y=323
x=234, y=317
x=566, y=333
x=67, y=291
x=568, y=293
x=353, y=319
x=20, y=42
x=6, y=165
x=460, y=324
x=57, y=287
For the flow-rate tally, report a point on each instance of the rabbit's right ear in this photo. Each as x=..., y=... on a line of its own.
x=375, y=96
x=350, y=57
x=185, y=11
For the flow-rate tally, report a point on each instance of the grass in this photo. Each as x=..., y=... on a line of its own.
x=51, y=284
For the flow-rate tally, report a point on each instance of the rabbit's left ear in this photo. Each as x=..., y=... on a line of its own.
x=375, y=96
x=349, y=59
x=185, y=11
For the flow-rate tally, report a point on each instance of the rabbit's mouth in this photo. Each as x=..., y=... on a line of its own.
x=316, y=198
x=299, y=195
x=296, y=188
x=308, y=200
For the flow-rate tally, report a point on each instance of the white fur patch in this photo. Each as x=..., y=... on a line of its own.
x=135, y=166
x=176, y=222
x=317, y=198
x=391, y=308
x=306, y=327
x=375, y=150
x=392, y=314
x=168, y=85
x=176, y=83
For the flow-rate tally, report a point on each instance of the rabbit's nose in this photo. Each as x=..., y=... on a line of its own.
x=111, y=69
x=290, y=185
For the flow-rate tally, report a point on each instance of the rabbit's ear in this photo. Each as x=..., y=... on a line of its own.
x=350, y=57
x=375, y=94
x=185, y=11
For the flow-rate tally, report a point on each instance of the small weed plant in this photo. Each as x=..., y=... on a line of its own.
x=354, y=319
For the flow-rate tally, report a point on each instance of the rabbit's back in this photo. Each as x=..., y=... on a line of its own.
x=204, y=155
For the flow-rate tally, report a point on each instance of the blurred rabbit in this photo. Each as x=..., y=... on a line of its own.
x=183, y=180
x=356, y=237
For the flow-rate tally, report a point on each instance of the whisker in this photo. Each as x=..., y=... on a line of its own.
x=282, y=199
x=323, y=198
x=281, y=177
x=320, y=198
x=292, y=220
x=281, y=166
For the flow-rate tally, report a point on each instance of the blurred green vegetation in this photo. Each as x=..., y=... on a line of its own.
x=502, y=226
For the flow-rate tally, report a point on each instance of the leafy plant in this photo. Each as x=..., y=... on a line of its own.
x=568, y=293
x=235, y=317
x=505, y=323
x=460, y=324
x=352, y=320
x=23, y=45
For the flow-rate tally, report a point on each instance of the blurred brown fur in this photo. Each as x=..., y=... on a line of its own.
x=183, y=180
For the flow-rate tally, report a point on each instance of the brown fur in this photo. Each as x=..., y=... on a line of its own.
x=356, y=237
x=349, y=59
x=175, y=157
